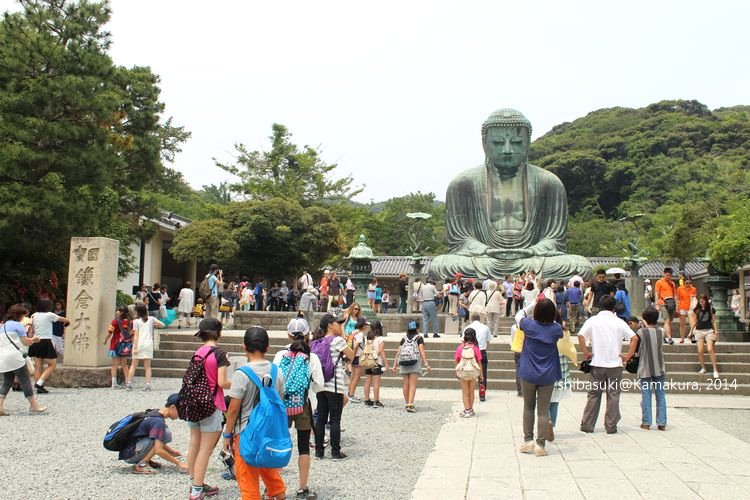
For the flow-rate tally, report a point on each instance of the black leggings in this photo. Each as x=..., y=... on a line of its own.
x=303, y=442
x=23, y=377
x=330, y=407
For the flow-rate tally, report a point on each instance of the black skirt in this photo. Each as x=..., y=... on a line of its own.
x=43, y=349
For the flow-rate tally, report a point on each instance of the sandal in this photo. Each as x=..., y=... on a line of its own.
x=138, y=469
x=3, y=414
x=154, y=464
x=41, y=409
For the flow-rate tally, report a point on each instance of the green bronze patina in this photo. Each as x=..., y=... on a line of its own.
x=507, y=216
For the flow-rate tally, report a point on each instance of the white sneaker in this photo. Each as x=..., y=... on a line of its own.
x=716, y=374
x=527, y=447
x=702, y=371
x=147, y=387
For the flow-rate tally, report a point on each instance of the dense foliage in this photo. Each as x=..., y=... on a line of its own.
x=80, y=141
x=683, y=166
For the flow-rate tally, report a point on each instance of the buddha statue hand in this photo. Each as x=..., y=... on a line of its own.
x=512, y=254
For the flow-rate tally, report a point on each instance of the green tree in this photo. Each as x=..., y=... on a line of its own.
x=207, y=241
x=731, y=247
x=275, y=238
x=287, y=171
x=78, y=138
x=388, y=229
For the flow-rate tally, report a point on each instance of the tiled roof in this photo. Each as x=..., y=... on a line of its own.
x=393, y=265
x=655, y=268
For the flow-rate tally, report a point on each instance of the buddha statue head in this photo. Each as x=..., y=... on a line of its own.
x=506, y=136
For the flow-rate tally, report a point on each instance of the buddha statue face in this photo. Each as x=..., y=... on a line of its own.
x=506, y=149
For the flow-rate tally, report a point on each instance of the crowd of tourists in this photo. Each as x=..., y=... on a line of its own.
x=312, y=379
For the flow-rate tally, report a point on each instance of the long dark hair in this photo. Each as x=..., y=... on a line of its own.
x=376, y=330
x=698, y=307
x=470, y=336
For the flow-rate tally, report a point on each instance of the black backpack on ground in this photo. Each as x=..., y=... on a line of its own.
x=118, y=434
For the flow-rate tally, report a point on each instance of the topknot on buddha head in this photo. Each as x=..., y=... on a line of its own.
x=506, y=117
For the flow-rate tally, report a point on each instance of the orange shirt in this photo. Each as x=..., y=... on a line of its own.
x=684, y=294
x=664, y=289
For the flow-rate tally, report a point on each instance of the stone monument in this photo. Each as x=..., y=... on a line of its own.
x=361, y=258
x=92, y=288
x=507, y=215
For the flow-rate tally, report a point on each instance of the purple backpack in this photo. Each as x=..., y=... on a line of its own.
x=322, y=348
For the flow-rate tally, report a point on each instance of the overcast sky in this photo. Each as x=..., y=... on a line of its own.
x=395, y=91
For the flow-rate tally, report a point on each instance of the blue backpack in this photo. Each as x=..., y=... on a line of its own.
x=265, y=441
x=296, y=371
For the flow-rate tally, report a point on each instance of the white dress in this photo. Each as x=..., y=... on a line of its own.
x=145, y=347
x=187, y=301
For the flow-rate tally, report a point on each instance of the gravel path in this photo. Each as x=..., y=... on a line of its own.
x=60, y=455
x=725, y=419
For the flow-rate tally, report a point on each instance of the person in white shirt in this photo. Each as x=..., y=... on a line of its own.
x=606, y=333
x=186, y=304
x=493, y=308
x=299, y=333
x=429, y=309
x=44, y=352
x=484, y=337
x=477, y=299
x=486, y=283
x=306, y=281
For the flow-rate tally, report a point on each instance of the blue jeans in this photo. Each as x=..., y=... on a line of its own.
x=429, y=316
x=655, y=385
x=553, y=407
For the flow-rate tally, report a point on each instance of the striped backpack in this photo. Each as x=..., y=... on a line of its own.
x=296, y=371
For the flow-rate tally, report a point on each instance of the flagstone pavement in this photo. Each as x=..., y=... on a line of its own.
x=478, y=458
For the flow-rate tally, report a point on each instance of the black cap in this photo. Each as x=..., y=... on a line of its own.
x=172, y=400
x=326, y=320
x=362, y=321
x=209, y=325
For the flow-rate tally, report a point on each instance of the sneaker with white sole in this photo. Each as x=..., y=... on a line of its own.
x=716, y=374
x=354, y=399
x=147, y=388
x=527, y=447
x=701, y=371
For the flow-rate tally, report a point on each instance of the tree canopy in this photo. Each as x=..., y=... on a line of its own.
x=287, y=171
x=677, y=162
x=80, y=139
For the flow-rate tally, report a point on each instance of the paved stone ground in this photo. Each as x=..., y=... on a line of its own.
x=432, y=454
x=478, y=458
x=60, y=455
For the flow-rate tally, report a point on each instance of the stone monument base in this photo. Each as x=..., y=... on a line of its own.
x=76, y=376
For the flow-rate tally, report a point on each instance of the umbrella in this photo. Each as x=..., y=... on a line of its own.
x=616, y=270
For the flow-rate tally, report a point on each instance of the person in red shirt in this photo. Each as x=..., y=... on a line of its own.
x=686, y=302
x=118, y=331
x=666, y=300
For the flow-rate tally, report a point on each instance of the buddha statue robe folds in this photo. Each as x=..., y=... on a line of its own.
x=507, y=216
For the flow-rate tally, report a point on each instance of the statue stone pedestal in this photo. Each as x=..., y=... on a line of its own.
x=92, y=287
x=729, y=326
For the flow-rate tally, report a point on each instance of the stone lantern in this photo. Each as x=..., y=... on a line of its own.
x=361, y=258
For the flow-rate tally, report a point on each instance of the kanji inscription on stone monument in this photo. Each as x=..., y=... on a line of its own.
x=92, y=286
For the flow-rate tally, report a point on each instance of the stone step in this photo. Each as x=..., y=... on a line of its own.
x=433, y=380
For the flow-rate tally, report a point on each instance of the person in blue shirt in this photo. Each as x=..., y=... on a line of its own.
x=622, y=302
x=539, y=368
x=378, y=298
x=574, y=301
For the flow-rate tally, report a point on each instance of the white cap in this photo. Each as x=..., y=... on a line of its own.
x=647, y=280
x=298, y=325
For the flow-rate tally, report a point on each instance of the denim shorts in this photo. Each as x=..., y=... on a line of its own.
x=213, y=423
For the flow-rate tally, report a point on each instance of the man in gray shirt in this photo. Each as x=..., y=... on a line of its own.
x=429, y=309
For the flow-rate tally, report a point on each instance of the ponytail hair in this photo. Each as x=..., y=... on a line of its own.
x=299, y=344
x=376, y=330
x=319, y=333
x=470, y=336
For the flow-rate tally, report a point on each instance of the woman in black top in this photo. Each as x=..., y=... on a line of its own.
x=705, y=330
